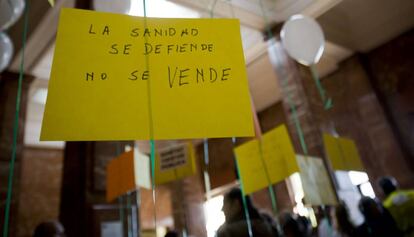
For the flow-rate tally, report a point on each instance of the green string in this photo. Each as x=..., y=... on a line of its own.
x=151, y=125
x=246, y=211
x=271, y=191
x=327, y=102
x=15, y=126
x=284, y=87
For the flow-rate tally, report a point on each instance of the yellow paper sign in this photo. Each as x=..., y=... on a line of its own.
x=315, y=181
x=174, y=163
x=127, y=172
x=113, y=76
x=277, y=145
x=265, y=162
x=342, y=153
x=251, y=167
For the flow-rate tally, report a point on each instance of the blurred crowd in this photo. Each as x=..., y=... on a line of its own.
x=393, y=217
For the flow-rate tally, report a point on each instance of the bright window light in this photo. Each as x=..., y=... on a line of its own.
x=297, y=187
x=213, y=214
x=40, y=96
x=367, y=190
x=358, y=178
x=162, y=9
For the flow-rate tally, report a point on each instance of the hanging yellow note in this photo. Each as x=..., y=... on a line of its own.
x=342, y=153
x=268, y=161
x=175, y=162
x=251, y=167
x=115, y=76
x=279, y=153
x=350, y=152
x=333, y=152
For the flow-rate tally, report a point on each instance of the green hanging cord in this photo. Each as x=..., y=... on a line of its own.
x=16, y=126
x=151, y=126
x=296, y=120
x=327, y=103
x=284, y=87
x=246, y=211
x=272, y=192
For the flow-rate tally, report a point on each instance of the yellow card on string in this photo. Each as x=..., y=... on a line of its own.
x=350, y=152
x=333, y=152
x=279, y=153
x=266, y=161
x=113, y=76
x=251, y=167
x=174, y=162
x=342, y=153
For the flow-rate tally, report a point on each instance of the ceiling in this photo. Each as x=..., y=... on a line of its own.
x=349, y=26
x=364, y=25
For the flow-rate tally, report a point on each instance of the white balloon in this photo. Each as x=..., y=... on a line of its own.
x=115, y=6
x=6, y=51
x=303, y=39
x=10, y=12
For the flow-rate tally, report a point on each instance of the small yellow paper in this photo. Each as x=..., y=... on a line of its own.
x=251, y=167
x=109, y=71
x=342, y=153
x=175, y=162
x=277, y=146
x=350, y=151
x=315, y=181
x=333, y=151
x=266, y=162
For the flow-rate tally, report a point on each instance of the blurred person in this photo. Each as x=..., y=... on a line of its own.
x=49, y=229
x=291, y=226
x=171, y=233
x=235, y=224
x=400, y=203
x=378, y=221
x=305, y=226
x=343, y=227
x=324, y=219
